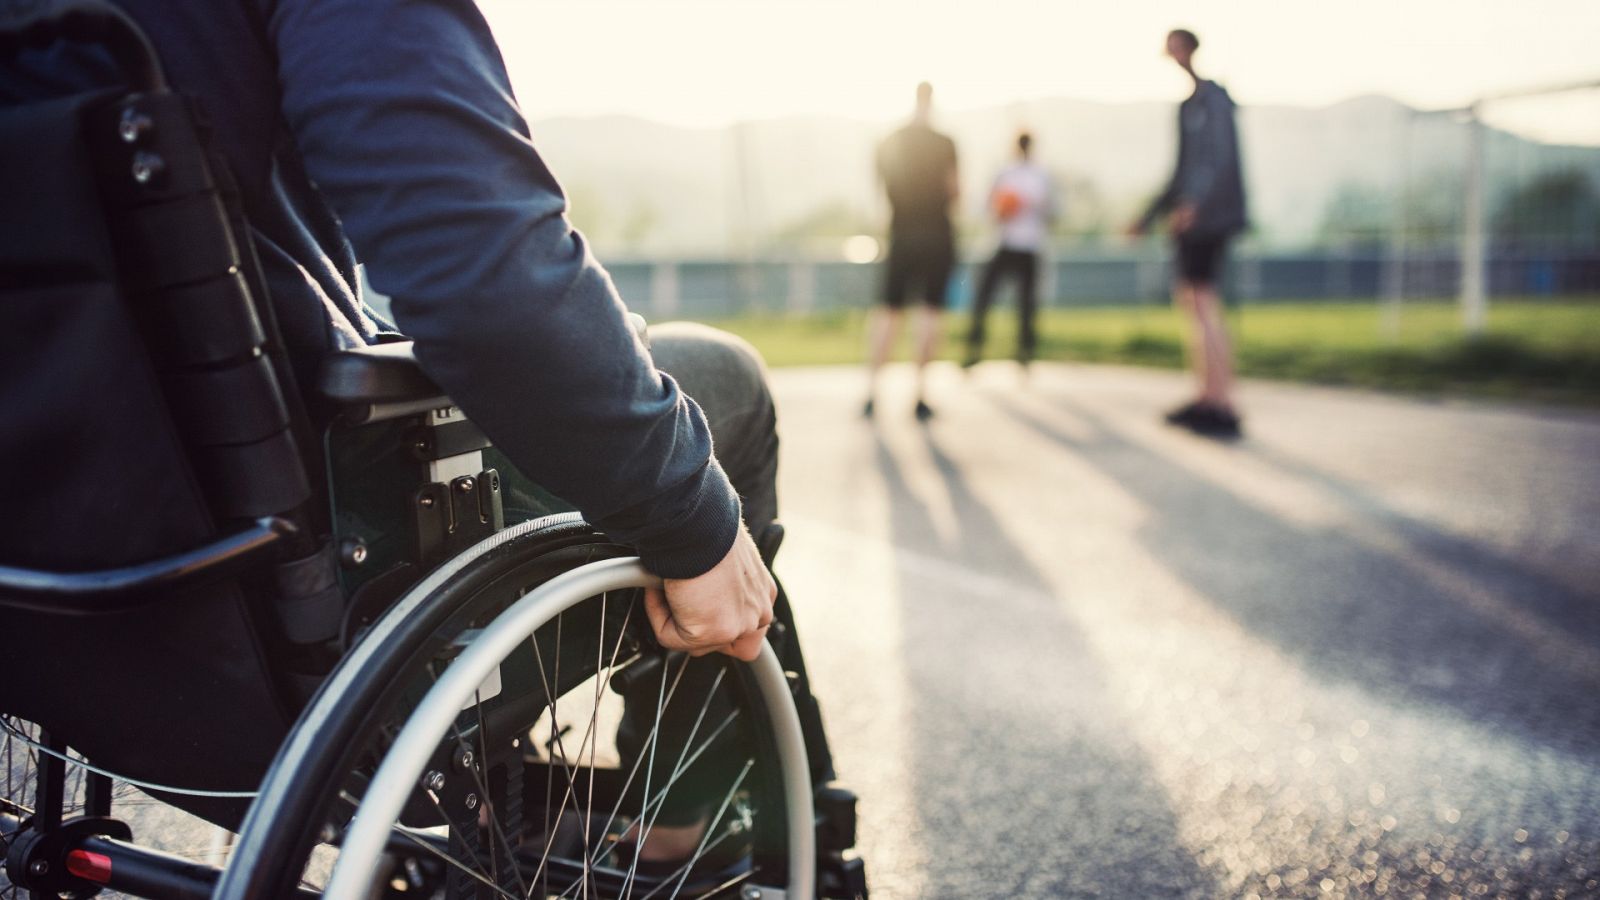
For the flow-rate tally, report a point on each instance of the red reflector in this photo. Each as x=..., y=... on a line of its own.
x=89, y=866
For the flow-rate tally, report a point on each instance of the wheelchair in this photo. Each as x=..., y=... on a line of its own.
x=307, y=614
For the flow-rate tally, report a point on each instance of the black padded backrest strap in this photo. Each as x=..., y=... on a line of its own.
x=181, y=259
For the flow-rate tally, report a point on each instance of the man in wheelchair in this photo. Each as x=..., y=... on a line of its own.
x=212, y=354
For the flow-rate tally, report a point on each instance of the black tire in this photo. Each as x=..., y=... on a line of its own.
x=313, y=787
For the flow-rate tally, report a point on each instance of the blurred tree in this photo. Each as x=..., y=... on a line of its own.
x=1429, y=211
x=1556, y=206
x=1082, y=213
x=826, y=226
x=1357, y=214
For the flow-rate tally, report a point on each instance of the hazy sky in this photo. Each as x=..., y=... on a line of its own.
x=709, y=62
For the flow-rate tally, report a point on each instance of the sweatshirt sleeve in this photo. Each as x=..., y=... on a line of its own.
x=403, y=114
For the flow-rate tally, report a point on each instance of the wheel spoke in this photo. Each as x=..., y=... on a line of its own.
x=661, y=795
x=649, y=769
x=438, y=806
x=570, y=792
x=498, y=831
x=677, y=769
x=550, y=770
x=452, y=861
x=591, y=739
x=594, y=744
x=650, y=739
x=483, y=792
x=701, y=849
x=712, y=820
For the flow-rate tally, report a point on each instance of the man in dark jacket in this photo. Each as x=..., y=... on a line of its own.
x=386, y=132
x=1206, y=208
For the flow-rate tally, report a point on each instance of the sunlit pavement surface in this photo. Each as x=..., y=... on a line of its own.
x=1065, y=650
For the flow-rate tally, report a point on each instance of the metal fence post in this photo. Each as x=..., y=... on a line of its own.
x=1474, y=294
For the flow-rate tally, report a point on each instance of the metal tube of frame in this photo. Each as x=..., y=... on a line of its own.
x=135, y=870
x=51, y=782
x=1474, y=236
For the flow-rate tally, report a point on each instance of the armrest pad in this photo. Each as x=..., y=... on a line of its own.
x=382, y=373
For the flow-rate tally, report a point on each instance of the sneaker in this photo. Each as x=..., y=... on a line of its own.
x=924, y=411
x=1214, y=421
x=1185, y=413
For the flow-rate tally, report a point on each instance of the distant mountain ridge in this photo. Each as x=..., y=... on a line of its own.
x=643, y=188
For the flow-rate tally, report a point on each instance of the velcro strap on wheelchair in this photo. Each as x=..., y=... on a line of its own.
x=308, y=598
x=236, y=404
x=172, y=230
x=182, y=263
x=202, y=324
x=174, y=243
x=248, y=480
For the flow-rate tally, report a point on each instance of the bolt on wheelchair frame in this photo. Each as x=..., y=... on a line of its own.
x=441, y=697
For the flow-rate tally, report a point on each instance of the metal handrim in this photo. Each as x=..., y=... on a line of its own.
x=362, y=849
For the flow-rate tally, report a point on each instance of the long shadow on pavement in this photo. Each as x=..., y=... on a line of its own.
x=1352, y=612
x=1026, y=784
x=1575, y=612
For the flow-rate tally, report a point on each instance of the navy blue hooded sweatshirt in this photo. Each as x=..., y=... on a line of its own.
x=385, y=131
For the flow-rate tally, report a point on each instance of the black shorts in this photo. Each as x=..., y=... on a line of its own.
x=1201, y=259
x=920, y=266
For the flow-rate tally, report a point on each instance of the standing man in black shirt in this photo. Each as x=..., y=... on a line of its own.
x=1205, y=206
x=918, y=169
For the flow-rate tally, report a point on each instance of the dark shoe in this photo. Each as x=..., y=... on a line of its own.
x=924, y=411
x=969, y=361
x=1184, y=414
x=1214, y=421
x=866, y=410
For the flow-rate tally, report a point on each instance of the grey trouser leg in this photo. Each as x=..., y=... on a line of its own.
x=725, y=376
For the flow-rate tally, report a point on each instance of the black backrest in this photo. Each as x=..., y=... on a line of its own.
x=145, y=410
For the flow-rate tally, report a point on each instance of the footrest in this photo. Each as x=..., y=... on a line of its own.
x=836, y=817
x=842, y=876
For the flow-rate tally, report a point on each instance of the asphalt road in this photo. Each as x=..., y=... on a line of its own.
x=1067, y=651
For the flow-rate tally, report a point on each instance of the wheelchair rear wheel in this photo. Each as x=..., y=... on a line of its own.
x=510, y=728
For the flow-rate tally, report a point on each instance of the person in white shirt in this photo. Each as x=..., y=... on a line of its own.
x=1024, y=204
